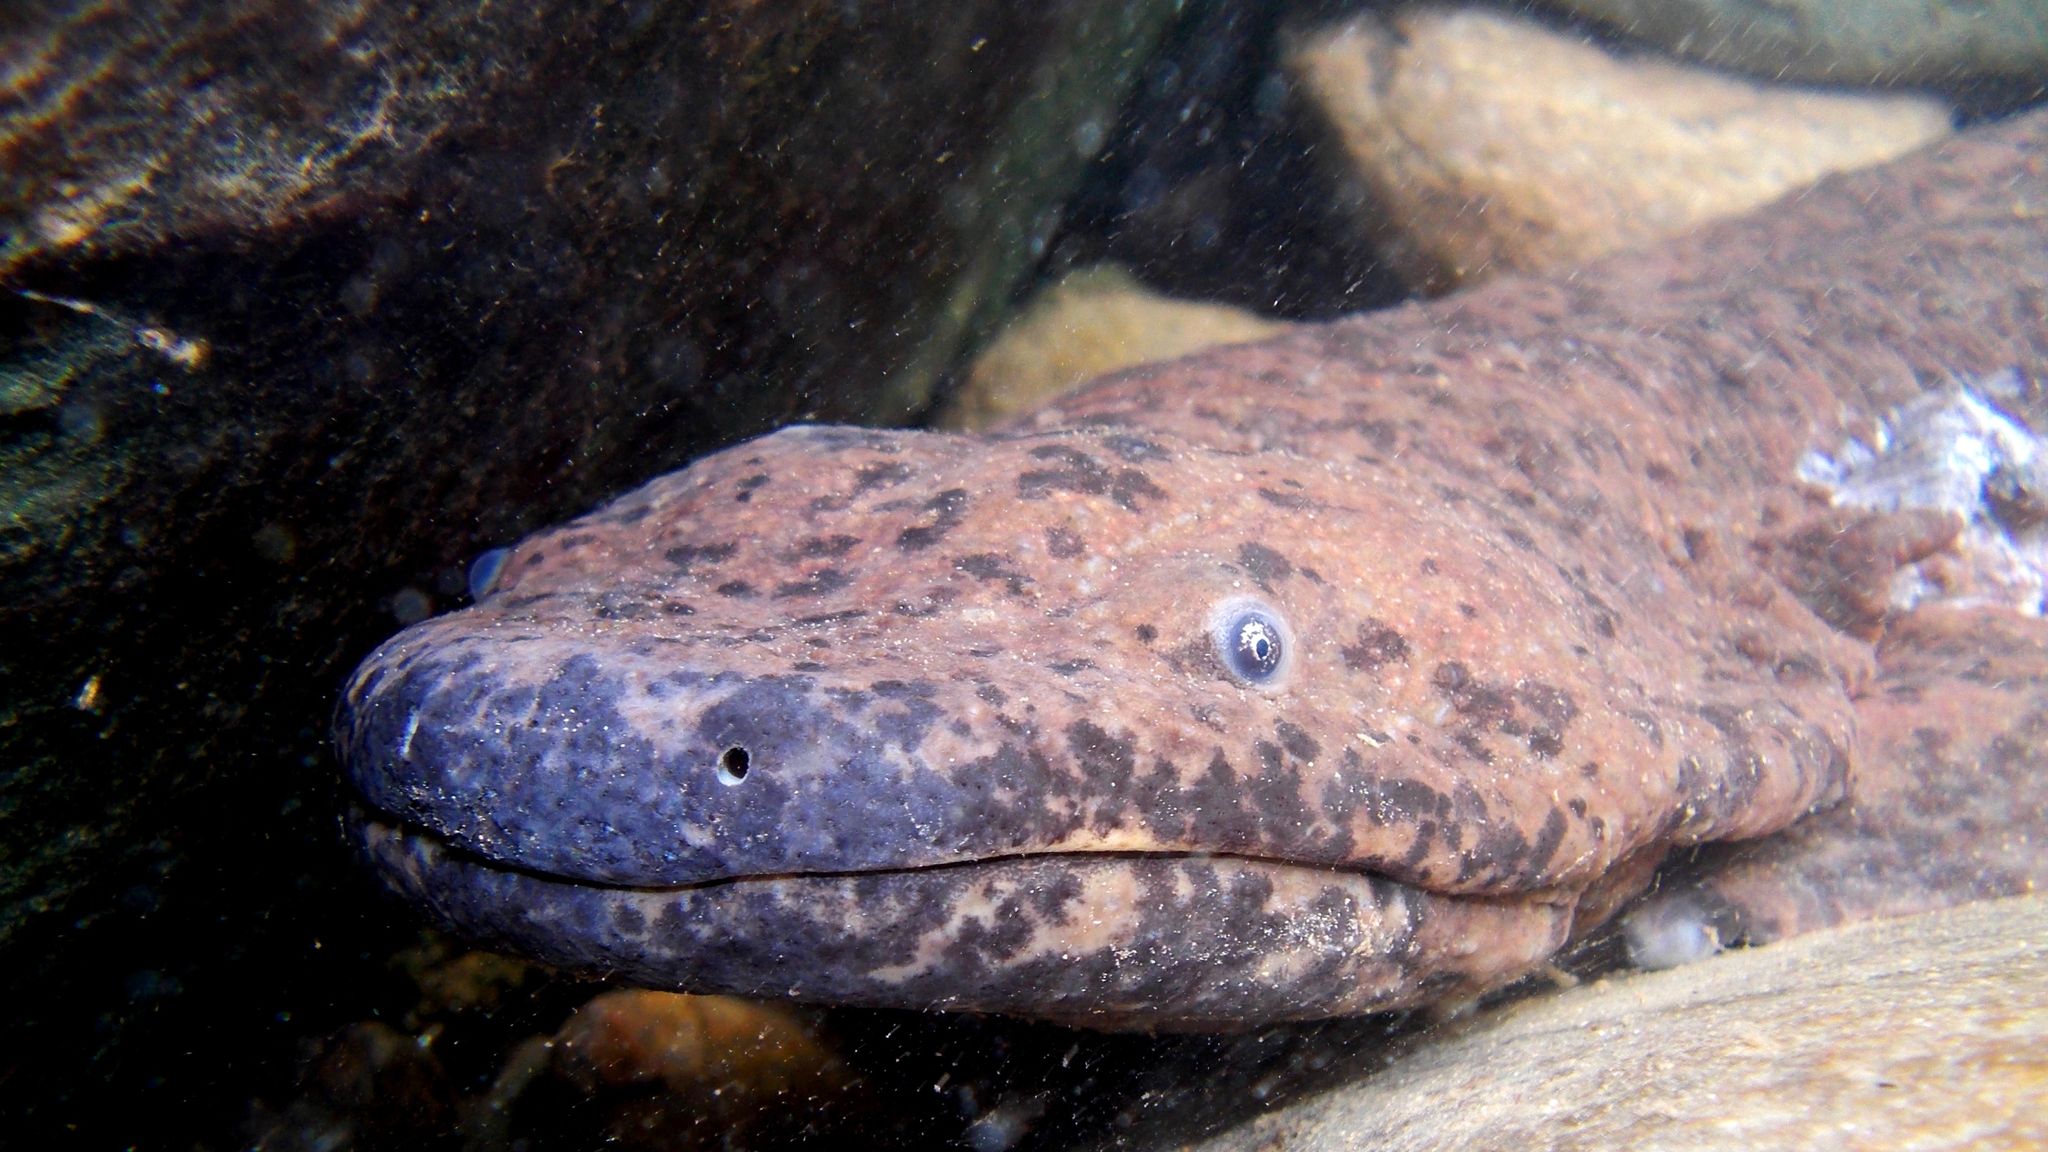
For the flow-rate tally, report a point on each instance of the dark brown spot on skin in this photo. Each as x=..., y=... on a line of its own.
x=820, y=583
x=1109, y=759
x=879, y=475
x=904, y=689
x=947, y=509
x=993, y=566
x=1385, y=801
x=1076, y=471
x=1146, y=633
x=1071, y=667
x=825, y=618
x=933, y=601
x=1381, y=434
x=686, y=556
x=1277, y=792
x=1062, y=544
x=736, y=589
x=1132, y=486
x=1474, y=745
x=1214, y=804
x=1487, y=705
x=1539, y=854
x=1425, y=832
x=1292, y=501
x=1135, y=449
x=1377, y=645
x=1467, y=611
x=822, y=548
x=1554, y=709
x=618, y=606
x=1428, y=566
x=1263, y=564
x=747, y=486
x=976, y=945
x=1298, y=743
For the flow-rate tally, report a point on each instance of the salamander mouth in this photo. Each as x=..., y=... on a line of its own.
x=360, y=816
x=1097, y=939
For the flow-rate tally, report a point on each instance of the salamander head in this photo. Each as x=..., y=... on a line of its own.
x=1081, y=725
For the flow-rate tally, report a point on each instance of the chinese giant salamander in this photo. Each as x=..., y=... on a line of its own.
x=1355, y=669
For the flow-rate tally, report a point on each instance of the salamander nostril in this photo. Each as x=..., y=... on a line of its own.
x=733, y=764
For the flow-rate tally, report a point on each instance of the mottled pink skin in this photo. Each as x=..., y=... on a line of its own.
x=1521, y=544
x=1950, y=800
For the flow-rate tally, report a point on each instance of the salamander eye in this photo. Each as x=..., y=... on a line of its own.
x=1252, y=641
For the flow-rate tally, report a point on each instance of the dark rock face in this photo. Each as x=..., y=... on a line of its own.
x=301, y=310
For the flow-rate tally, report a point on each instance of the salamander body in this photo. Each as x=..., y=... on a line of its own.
x=1354, y=669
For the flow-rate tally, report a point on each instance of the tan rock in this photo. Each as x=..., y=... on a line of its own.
x=668, y=1071
x=1948, y=44
x=1094, y=321
x=1477, y=143
x=694, y=1045
x=1927, y=1032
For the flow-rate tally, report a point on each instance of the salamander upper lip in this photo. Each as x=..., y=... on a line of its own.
x=615, y=766
x=362, y=818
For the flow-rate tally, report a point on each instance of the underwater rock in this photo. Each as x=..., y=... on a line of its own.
x=1940, y=43
x=1477, y=143
x=296, y=320
x=711, y=1045
x=1092, y=322
x=302, y=309
x=1923, y=1032
x=664, y=1070
x=367, y=1085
